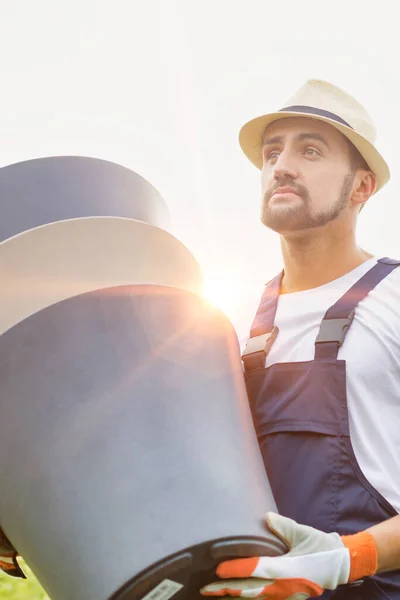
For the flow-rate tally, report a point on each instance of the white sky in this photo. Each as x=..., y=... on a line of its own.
x=163, y=87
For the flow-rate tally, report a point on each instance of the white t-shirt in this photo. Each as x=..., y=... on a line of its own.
x=372, y=353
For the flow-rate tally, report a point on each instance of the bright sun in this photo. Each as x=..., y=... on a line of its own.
x=221, y=294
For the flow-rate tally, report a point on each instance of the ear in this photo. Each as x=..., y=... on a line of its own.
x=364, y=186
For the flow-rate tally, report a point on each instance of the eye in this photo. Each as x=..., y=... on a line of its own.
x=311, y=152
x=273, y=155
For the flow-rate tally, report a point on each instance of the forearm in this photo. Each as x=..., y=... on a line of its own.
x=387, y=539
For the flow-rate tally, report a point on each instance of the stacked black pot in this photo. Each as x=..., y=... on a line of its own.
x=129, y=466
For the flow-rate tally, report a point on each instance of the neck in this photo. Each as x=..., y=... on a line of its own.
x=311, y=261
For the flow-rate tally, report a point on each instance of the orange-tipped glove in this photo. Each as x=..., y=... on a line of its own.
x=316, y=561
x=8, y=558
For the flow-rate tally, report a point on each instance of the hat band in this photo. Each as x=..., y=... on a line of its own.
x=310, y=110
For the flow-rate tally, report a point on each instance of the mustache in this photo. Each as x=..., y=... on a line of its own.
x=299, y=189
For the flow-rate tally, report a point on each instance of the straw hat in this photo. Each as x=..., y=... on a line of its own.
x=323, y=101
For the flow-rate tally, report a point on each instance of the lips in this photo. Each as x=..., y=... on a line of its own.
x=285, y=190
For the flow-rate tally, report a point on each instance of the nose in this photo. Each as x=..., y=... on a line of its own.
x=284, y=167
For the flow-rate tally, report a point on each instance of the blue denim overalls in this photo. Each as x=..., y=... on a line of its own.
x=301, y=420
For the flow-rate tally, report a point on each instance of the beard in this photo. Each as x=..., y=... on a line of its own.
x=299, y=217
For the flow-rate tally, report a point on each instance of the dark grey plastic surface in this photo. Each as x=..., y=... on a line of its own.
x=44, y=190
x=125, y=437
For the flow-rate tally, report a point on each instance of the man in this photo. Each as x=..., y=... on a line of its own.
x=322, y=362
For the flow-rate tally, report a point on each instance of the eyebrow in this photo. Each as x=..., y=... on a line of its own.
x=278, y=139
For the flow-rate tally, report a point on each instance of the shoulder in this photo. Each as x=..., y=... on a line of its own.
x=380, y=310
x=389, y=287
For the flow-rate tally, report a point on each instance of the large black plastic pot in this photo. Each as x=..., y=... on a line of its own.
x=129, y=465
x=57, y=188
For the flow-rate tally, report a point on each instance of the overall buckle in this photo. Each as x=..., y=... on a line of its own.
x=334, y=330
x=257, y=349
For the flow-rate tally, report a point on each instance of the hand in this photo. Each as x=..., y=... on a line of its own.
x=315, y=561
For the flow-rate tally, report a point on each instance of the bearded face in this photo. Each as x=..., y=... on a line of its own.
x=306, y=177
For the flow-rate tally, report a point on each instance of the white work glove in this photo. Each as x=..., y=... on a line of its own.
x=316, y=561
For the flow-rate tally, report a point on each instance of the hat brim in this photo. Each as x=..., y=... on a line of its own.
x=250, y=139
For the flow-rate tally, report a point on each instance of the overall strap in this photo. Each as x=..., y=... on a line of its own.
x=339, y=317
x=263, y=332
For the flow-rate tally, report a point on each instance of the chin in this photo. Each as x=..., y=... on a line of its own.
x=289, y=227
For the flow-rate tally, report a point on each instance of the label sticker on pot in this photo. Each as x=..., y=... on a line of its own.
x=164, y=590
